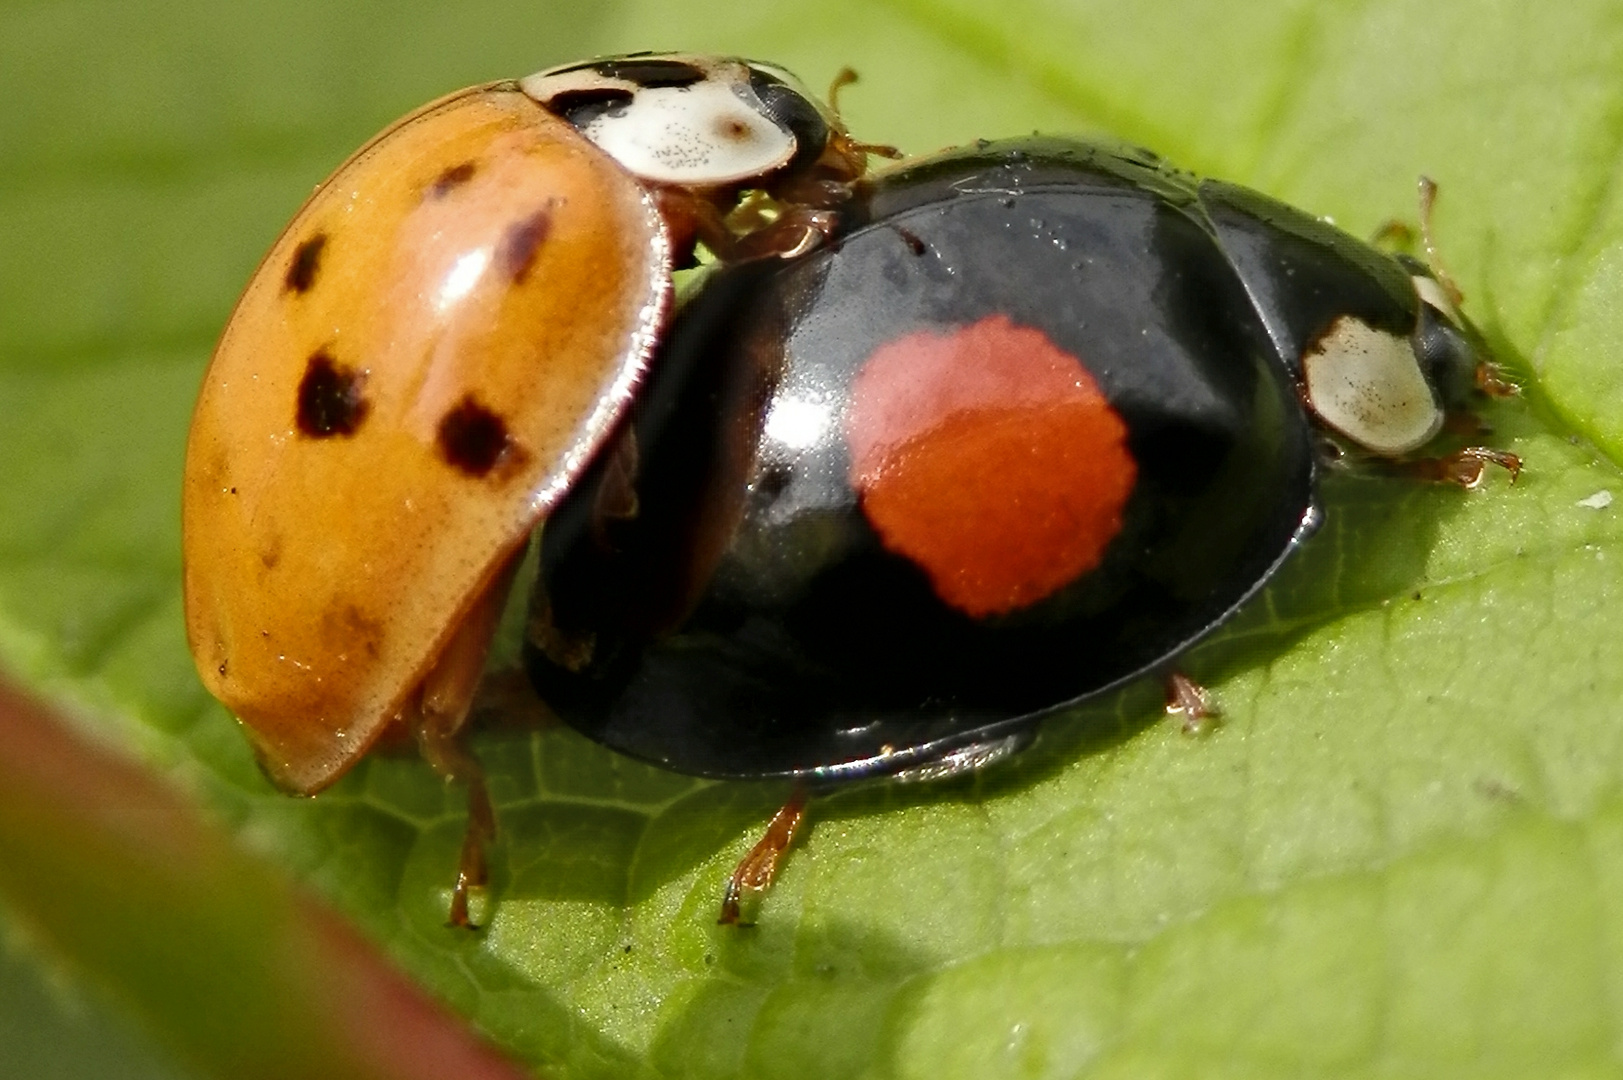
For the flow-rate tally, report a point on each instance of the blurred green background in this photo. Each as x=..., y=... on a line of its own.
x=1400, y=856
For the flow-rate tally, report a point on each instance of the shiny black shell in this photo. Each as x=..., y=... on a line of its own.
x=713, y=598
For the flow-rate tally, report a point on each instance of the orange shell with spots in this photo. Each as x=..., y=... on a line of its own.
x=422, y=364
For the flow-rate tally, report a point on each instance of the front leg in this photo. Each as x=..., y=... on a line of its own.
x=756, y=870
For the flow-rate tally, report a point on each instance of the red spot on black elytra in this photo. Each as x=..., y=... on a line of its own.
x=522, y=242
x=991, y=459
x=473, y=439
x=330, y=401
x=301, y=272
x=452, y=178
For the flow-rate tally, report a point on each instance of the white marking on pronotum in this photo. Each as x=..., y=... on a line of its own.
x=1367, y=385
x=1434, y=295
x=701, y=135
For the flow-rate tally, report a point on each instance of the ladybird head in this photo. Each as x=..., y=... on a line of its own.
x=682, y=120
x=1450, y=349
x=1388, y=390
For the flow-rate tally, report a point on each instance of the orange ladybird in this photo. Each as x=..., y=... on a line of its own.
x=427, y=359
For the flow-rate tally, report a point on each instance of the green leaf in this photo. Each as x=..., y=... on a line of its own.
x=1401, y=855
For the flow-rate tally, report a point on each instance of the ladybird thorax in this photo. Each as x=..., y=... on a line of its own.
x=689, y=121
x=1390, y=393
x=1449, y=349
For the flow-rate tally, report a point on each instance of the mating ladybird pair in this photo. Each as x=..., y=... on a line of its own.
x=929, y=455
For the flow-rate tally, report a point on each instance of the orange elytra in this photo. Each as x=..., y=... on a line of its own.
x=426, y=360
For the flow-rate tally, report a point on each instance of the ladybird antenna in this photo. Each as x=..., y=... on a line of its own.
x=1428, y=241
x=842, y=78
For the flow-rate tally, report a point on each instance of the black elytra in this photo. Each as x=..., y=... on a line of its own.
x=739, y=613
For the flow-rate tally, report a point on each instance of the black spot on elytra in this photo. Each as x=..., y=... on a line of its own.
x=301, y=272
x=451, y=179
x=472, y=438
x=361, y=629
x=330, y=401
x=522, y=243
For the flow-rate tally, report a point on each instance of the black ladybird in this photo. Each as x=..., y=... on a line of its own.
x=1044, y=415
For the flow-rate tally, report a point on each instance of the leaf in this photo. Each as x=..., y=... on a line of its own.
x=242, y=974
x=50, y=1032
x=1402, y=853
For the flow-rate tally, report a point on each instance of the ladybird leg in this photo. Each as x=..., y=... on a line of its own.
x=757, y=869
x=443, y=703
x=453, y=761
x=755, y=210
x=760, y=211
x=796, y=231
x=1466, y=468
x=845, y=160
x=1491, y=381
x=694, y=219
x=1192, y=702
